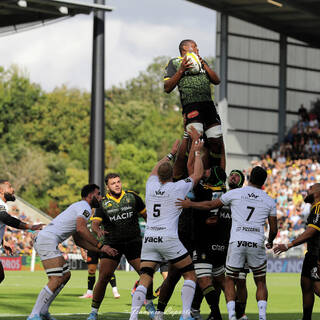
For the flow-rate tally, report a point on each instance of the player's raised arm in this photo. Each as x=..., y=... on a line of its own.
x=211, y=74
x=13, y=222
x=168, y=157
x=203, y=205
x=198, y=165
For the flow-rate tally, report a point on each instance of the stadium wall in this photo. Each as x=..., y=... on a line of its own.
x=252, y=89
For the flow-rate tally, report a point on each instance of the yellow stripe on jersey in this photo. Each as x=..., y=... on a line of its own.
x=117, y=200
x=314, y=226
x=318, y=207
x=97, y=218
x=143, y=211
x=167, y=78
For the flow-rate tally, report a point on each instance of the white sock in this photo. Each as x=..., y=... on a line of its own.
x=137, y=301
x=115, y=290
x=231, y=306
x=94, y=309
x=187, y=293
x=89, y=291
x=45, y=307
x=43, y=298
x=262, y=306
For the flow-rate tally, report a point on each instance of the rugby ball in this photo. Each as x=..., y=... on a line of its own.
x=196, y=64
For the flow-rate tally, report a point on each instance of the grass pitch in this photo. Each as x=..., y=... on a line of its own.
x=19, y=291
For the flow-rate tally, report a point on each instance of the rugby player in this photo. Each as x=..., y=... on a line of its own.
x=161, y=240
x=310, y=274
x=250, y=207
x=119, y=214
x=92, y=260
x=7, y=194
x=198, y=108
x=72, y=221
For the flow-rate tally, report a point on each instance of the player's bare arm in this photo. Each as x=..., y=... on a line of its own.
x=198, y=165
x=168, y=157
x=203, y=205
x=171, y=83
x=13, y=222
x=212, y=75
x=302, y=238
x=273, y=231
x=195, y=136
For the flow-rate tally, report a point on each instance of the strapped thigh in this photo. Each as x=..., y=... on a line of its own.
x=259, y=271
x=57, y=272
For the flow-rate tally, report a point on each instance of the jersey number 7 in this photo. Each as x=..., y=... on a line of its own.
x=251, y=212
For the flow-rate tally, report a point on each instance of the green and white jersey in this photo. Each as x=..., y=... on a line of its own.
x=120, y=217
x=192, y=87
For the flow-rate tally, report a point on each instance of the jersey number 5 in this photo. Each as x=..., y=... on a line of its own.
x=156, y=210
x=251, y=212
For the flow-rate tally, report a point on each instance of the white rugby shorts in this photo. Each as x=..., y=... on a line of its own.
x=161, y=248
x=240, y=252
x=46, y=246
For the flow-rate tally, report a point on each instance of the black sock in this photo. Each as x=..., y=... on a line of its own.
x=91, y=280
x=212, y=297
x=161, y=306
x=149, y=295
x=197, y=299
x=240, y=309
x=113, y=281
x=307, y=313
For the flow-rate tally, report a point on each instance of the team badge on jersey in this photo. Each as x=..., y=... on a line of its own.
x=2, y=208
x=187, y=180
x=86, y=213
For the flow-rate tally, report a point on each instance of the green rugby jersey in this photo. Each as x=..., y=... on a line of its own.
x=119, y=217
x=192, y=87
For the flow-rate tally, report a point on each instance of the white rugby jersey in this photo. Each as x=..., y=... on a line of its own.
x=162, y=212
x=250, y=207
x=65, y=224
x=3, y=207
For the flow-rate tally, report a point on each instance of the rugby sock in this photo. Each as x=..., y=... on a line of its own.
x=43, y=298
x=231, y=309
x=212, y=297
x=45, y=308
x=262, y=306
x=307, y=313
x=91, y=280
x=137, y=301
x=161, y=306
x=240, y=308
x=113, y=281
x=197, y=299
x=187, y=293
x=149, y=295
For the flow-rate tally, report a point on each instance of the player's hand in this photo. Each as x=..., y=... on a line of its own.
x=183, y=203
x=175, y=147
x=193, y=133
x=269, y=245
x=108, y=250
x=37, y=226
x=280, y=248
x=198, y=145
x=185, y=64
x=8, y=248
x=84, y=254
x=201, y=60
x=101, y=233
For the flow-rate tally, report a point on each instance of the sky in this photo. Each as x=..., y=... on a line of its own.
x=137, y=31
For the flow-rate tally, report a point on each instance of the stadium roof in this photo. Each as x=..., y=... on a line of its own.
x=20, y=14
x=299, y=19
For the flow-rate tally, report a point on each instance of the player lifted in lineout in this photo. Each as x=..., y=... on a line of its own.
x=198, y=108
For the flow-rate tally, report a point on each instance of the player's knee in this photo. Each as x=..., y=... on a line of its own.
x=214, y=132
x=259, y=273
x=92, y=269
x=147, y=270
x=204, y=282
x=66, y=277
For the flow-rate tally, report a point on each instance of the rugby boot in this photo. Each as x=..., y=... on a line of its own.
x=35, y=317
x=244, y=317
x=151, y=309
x=92, y=316
x=47, y=316
x=195, y=314
x=86, y=296
x=189, y=318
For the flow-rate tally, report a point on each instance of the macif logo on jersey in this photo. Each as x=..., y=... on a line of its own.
x=248, y=244
x=153, y=239
x=252, y=195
